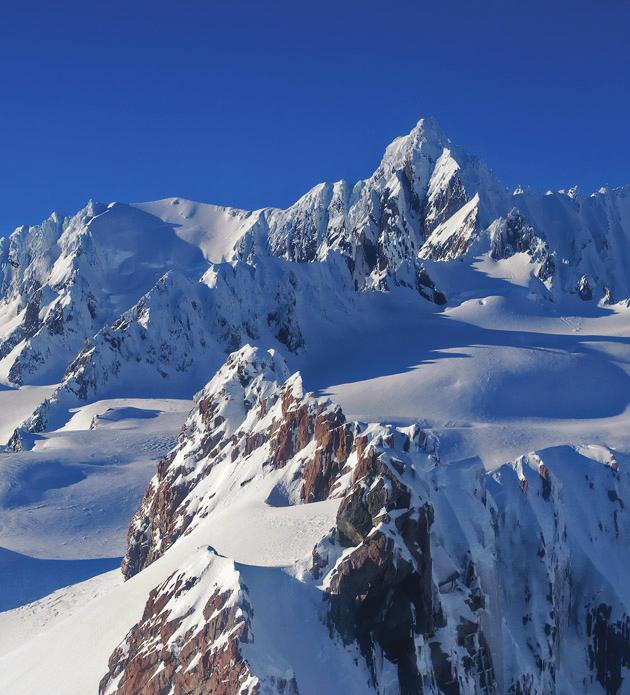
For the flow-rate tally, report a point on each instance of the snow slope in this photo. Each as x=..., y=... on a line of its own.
x=554, y=519
x=66, y=504
x=99, y=612
x=213, y=229
x=85, y=479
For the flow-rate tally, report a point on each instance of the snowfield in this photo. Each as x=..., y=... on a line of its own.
x=489, y=383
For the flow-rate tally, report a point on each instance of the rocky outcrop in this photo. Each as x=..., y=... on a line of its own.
x=250, y=411
x=455, y=237
x=461, y=581
x=442, y=578
x=609, y=648
x=192, y=638
x=381, y=592
x=512, y=235
x=584, y=289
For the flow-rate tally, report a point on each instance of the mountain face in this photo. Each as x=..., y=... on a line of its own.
x=395, y=552
x=442, y=578
x=65, y=279
x=89, y=278
x=181, y=329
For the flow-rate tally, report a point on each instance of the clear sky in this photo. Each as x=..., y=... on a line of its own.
x=250, y=103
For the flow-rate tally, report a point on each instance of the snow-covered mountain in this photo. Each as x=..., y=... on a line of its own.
x=405, y=469
x=435, y=578
x=427, y=205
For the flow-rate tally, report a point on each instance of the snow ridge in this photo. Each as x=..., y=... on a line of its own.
x=438, y=576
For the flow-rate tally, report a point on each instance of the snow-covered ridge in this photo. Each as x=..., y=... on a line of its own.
x=64, y=280
x=182, y=329
x=428, y=201
x=437, y=576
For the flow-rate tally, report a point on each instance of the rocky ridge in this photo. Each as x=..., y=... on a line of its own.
x=443, y=578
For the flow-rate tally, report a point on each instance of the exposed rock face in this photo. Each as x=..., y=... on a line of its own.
x=584, y=289
x=467, y=581
x=249, y=411
x=251, y=418
x=455, y=237
x=191, y=639
x=444, y=578
x=446, y=193
x=512, y=235
x=381, y=593
x=609, y=649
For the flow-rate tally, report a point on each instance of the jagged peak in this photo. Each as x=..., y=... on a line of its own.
x=55, y=219
x=425, y=137
x=429, y=126
x=572, y=192
x=250, y=367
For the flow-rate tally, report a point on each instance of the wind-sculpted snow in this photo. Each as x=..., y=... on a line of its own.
x=443, y=578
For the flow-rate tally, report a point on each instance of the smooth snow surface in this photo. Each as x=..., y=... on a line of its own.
x=213, y=229
x=258, y=534
x=493, y=376
x=17, y=404
x=65, y=505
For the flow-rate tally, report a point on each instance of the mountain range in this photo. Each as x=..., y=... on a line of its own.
x=376, y=442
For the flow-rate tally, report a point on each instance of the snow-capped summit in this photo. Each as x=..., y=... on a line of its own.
x=429, y=203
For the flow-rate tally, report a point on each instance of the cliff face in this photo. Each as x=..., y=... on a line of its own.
x=438, y=578
x=167, y=651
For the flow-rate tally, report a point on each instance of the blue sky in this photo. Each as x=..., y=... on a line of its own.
x=249, y=103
